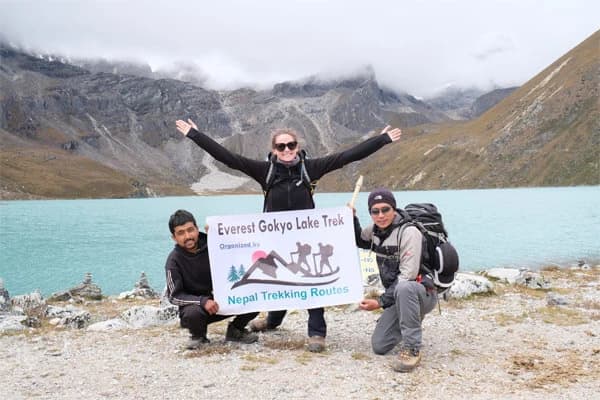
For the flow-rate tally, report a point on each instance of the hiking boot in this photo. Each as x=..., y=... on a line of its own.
x=316, y=344
x=260, y=325
x=196, y=342
x=407, y=360
x=239, y=335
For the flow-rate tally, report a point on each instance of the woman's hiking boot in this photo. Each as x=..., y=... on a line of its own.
x=260, y=325
x=316, y=344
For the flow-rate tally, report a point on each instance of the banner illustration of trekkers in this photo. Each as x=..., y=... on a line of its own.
x=284, y=260
x=272, y=269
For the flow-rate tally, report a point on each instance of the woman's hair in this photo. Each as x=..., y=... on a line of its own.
x=282, y=131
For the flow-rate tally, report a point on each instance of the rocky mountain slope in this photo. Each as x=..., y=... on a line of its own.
x=75, y=131
x=124, y=126
x=487, y=101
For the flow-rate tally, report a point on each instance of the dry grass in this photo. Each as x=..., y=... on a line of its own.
x=555, y=315
x=559, y=315
x=457, y=352
x=588, y=304
x=48, y=172
x=53, y=173
x=286, y=343
x=503, y=288
x=504, y=319
x=255, y=358
x=361, y=356
x=307, y=357
x=209, y=350
x=566, y=368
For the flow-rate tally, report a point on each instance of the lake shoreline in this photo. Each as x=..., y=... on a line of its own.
x=18, y=196
x=490, y=228
x=159, y=289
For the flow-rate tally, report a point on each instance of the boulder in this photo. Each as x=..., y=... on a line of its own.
x=68, y=316
x=60, y=296
x=467, y=284
x=32, y=304
x=553, y=299
x=12, y=323
x=508, y=275
x=143, y=316
x=115, y=324
x=532, y=280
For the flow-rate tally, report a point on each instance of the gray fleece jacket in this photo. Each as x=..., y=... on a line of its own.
x=398, y=253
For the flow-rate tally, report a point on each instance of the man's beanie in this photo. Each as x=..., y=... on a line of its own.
x=381, y=196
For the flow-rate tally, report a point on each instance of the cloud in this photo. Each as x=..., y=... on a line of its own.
x=493, y=44
x=413, y=46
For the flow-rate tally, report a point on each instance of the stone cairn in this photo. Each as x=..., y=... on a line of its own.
x=142, y=289
x=87, y=290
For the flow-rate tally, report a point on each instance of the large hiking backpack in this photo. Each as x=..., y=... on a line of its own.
x=439, y=258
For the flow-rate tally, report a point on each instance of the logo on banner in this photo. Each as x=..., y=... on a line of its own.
x=304, y=267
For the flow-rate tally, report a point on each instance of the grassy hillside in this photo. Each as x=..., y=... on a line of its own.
x=546, y=133
x=37, y=172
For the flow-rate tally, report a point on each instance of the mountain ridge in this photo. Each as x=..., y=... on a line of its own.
x=546, y=133
x=123, y=125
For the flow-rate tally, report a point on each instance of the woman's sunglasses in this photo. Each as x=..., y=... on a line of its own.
x=383, y=210
x=290, y=145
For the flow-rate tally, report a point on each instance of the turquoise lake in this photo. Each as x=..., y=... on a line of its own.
x=50, y=245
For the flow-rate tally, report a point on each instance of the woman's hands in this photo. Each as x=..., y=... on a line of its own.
x=394, y=134
x=185, y=127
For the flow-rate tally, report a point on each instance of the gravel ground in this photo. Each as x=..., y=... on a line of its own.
x=510, y=345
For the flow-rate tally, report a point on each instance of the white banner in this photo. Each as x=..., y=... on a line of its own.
x=284, y=260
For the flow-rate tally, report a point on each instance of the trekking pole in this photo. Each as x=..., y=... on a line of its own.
x=359, y=182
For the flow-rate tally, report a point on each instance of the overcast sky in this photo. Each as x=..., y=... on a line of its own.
x=418, y=47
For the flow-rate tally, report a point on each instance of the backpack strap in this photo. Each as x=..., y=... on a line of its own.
x=304, y=177
x=423, y=269
x=423, y=228
x=269, y=178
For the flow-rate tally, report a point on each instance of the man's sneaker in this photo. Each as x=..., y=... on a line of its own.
x=316, y=344
x=407, y=360
x=239, y=335
x=196, y=341
x=259, y=325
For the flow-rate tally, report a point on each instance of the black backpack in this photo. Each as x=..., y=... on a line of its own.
x=439, y=259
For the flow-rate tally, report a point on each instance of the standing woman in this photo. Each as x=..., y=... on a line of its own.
x=287, y=179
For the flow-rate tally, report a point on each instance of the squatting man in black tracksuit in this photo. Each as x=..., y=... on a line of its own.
x=189, y=284
x=283, y=179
